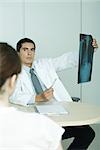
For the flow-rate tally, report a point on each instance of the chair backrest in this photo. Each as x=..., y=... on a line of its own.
x=75, y=99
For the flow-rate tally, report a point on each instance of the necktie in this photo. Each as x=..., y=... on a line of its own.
x=35, y=81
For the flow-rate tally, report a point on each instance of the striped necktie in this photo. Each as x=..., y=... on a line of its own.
x=35, y=81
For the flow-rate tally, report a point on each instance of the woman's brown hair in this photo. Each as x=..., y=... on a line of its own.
x=9, y=62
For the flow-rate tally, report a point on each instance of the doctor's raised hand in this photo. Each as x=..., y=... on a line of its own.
x=94, y=44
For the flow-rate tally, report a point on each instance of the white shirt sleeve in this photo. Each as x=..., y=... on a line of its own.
x=67, y=60
x=51, y=133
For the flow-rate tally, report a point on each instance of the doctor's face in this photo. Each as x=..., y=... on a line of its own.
x=27, y=53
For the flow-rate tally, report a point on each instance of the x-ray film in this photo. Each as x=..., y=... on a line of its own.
x=86, y=52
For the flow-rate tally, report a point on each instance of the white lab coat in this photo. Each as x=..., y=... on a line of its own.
x=47, y=71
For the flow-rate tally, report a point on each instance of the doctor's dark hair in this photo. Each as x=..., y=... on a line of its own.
x=10, y=63
x=24, y=40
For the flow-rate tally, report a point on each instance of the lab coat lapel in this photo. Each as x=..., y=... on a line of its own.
x=26, y=81
x=45, y=76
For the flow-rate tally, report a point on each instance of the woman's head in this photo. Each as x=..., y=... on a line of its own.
x=10, y=64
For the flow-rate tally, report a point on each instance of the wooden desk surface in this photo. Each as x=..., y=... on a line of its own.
x=79, y=114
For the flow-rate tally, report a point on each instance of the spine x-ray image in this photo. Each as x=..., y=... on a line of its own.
x=86, y=52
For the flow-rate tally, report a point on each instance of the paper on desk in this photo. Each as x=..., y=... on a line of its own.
x=51, y=109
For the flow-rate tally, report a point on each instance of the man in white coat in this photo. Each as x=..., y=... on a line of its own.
x=46, y=70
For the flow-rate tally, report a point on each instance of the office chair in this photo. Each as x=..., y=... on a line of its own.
x=75, y=99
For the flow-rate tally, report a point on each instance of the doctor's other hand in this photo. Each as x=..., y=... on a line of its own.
x=45, y=96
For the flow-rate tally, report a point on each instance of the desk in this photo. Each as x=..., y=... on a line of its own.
x=79, y=114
